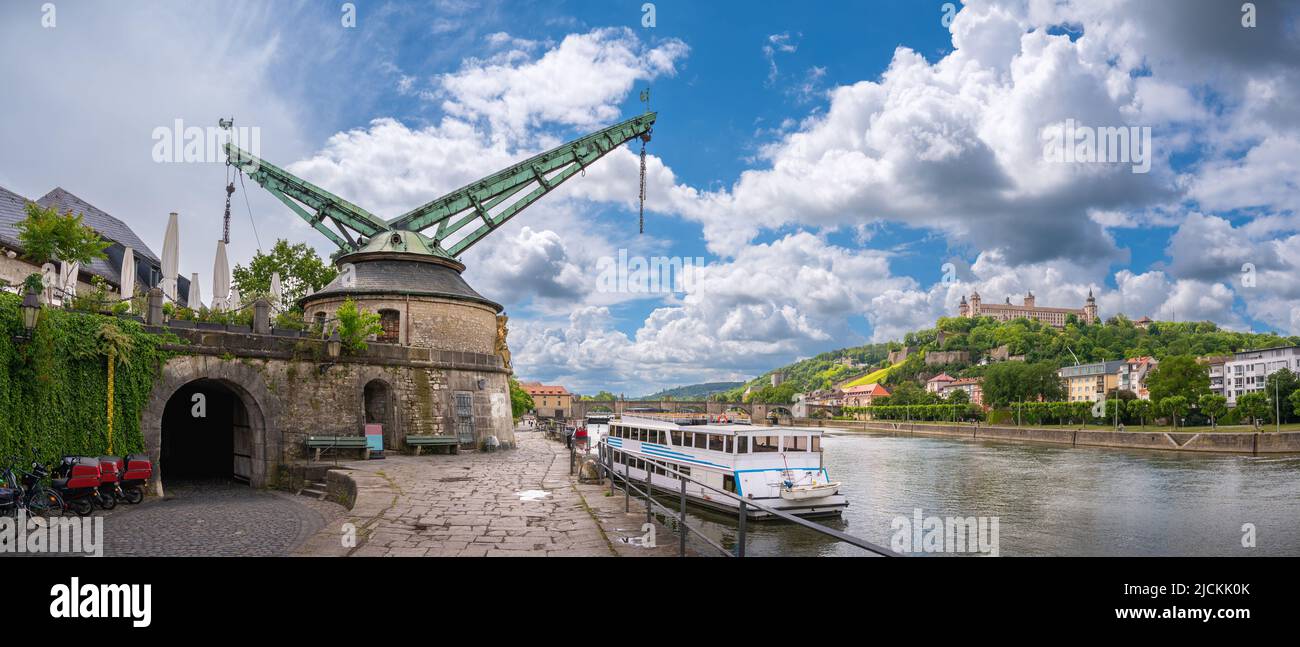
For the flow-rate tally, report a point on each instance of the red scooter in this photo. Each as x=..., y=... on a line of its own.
x=76, y=479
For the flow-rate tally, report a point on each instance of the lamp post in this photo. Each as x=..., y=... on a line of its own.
x=31, y=309
x=333, y=348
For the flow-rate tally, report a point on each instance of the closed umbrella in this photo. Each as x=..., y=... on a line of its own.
x=171, y=257
x=69, y=278
x=277, y=294
x=126, y=276
x=220, y=278
x=196, y=298
x=234, y=301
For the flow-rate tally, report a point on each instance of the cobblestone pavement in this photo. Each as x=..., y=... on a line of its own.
x=518, y=502
x=215, y=519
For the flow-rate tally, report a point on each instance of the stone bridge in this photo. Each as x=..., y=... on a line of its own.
x=755, y=410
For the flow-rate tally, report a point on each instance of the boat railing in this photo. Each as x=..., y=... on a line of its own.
x=606, y=463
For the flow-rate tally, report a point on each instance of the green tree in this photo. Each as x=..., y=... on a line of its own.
x=958, y=396
x=1174, y=406
x=300, y=268
x=46, y=236
x=1008, y=382
x=1280, y=385
x=355, y=325
x=520, y=401
x=1295, y=400
x=1254, y=406
x=1214, y=406
x=1140, y=409
x=1181, y=376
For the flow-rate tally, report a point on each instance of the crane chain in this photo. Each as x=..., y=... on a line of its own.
x=642, y=214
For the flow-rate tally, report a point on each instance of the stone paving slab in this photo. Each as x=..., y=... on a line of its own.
x=513, y=503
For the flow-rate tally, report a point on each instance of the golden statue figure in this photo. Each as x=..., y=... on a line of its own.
x=502, y=349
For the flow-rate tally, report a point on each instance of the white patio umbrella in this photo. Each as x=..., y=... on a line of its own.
x=220, y=278
x=171, y=256
x=277, y=293
x=234, y=301
x=68, y=279
x=196, y=294
x=126, y=276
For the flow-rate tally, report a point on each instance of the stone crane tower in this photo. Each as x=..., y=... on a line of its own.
x=408, y=269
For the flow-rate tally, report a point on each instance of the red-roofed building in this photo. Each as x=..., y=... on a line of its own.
x=549, y=401
x=863, y=394
x=938, y=382
x=971, y=385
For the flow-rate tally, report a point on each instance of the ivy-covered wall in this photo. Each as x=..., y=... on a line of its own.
x=54, y=386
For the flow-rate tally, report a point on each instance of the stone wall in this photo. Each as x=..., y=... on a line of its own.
x=1224, y=442
x=941, y=357
x=428, y=322
x=292, y=390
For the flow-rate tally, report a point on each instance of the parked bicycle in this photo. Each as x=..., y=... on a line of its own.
x=22, y=490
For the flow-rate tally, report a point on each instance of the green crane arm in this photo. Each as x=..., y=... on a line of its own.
x=484, y=201
x=322, y=204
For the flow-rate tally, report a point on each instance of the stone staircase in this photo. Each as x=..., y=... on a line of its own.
x=316, y=489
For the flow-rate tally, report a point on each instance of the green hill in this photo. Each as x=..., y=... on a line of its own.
x=1117, y=338
x=693, y=391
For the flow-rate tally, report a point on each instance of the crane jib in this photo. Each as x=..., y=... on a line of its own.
x=489, y=201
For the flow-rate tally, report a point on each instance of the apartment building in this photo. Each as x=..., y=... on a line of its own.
x=1248, y=371
x=1090, y=382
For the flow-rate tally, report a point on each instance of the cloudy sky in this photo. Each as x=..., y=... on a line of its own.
x=846, y=174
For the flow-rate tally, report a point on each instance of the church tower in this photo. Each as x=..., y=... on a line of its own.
x=1090, y=308
x=1029, y=299
x=975, y=303
x=963, y=310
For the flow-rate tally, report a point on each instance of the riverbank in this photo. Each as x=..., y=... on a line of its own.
x=1286, y=442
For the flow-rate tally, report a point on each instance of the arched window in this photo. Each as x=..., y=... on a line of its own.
x=391, y=322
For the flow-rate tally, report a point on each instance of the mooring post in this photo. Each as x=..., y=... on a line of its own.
x=649, y=503
x=681, y=518
x=571, y=455
x=740, y=535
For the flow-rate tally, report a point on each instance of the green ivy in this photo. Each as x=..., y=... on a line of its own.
x=54, y=386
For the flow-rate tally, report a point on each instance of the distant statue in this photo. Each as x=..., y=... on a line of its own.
x=501, y=348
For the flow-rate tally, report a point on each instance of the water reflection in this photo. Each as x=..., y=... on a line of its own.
x=1050, y=500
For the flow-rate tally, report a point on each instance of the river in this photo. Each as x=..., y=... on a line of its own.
x=1048, y=500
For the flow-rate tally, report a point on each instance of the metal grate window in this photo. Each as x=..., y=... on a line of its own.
x=465, y=416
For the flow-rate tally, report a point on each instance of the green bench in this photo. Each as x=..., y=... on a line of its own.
x=322, y=443
x=452, y=443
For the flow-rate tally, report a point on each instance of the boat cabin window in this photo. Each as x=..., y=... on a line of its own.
x=816, y=443
x=742, y=444
x=729, y=483
x=701, y=441
x=766, y=443
x=796, y=443
x=716, y=443
x=677, y=438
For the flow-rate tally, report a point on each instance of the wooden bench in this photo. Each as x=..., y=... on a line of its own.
x=452, y=443
x=321, y=443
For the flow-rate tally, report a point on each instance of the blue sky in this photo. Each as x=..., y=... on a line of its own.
x=826, y=160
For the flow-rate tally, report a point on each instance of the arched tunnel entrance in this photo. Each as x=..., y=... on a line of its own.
x=207, y=434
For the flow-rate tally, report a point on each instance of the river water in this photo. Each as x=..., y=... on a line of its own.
x=1049, y=500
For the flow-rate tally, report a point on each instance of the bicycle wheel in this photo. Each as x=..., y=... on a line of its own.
x=45, y=503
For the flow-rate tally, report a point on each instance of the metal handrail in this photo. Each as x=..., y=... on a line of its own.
x=648, y=495
x=743, y=504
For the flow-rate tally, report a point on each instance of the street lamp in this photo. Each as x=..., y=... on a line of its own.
x=31, y=309
x=334, y=346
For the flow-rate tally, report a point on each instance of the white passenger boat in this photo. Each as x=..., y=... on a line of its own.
x=779, y=467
